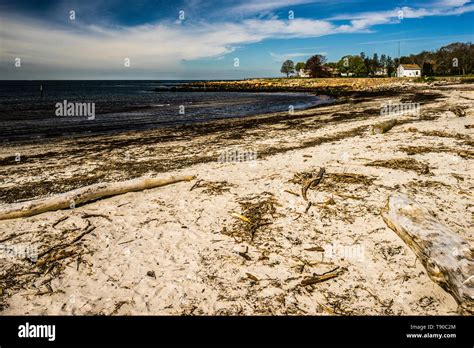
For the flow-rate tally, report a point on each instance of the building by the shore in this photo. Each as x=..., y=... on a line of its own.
x=381, y=71
x=408, y=70
x=304, y=73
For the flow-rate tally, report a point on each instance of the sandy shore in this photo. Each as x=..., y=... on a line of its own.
x=179, y=250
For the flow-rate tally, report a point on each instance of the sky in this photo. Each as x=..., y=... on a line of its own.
x=213, y=39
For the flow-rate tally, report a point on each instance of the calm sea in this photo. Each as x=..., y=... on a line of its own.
x=123, y=106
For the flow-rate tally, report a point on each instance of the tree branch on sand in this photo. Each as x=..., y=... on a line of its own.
x=83, y=195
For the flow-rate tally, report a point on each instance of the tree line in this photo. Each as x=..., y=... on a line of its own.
x=454, y=59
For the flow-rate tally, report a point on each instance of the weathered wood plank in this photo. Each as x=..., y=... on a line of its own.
x=446, y=256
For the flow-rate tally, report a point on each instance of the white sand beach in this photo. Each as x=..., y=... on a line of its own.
x=179, y=249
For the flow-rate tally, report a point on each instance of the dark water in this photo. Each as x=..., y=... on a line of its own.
x=123, y=106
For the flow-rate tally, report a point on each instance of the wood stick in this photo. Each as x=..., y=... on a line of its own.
x=318, y=279
x=83, y=195
x=446, y=256
x=312, y=182
x=383, y=127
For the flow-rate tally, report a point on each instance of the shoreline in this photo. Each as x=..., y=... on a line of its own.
x=179, y=250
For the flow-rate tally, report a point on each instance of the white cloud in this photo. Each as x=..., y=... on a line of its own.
x=161, y=45
x=255, y=6
x=280, y=57
x=439, y=8
x=165, y=45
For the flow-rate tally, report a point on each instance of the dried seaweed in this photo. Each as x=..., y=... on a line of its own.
x=54, y=249
x=402, y=164
x=213, y=187
x=259, y=212
x=415, y=150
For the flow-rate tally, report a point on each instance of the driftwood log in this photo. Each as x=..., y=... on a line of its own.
x=383, y=127
x=446, y=256
x=84, y=194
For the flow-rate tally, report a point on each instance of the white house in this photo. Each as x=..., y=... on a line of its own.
x=408, y=70
x=381, y=71
x=304, y=73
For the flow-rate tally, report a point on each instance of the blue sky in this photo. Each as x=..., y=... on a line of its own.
x=106, y=34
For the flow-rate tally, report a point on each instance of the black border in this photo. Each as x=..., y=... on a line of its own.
x=289, y=331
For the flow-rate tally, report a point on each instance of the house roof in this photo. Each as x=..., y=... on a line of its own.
x=410, y=66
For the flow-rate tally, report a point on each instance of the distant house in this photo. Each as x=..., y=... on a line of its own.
x=304, y=73
x=381, y=72
x=408, y=70
x=332, y=71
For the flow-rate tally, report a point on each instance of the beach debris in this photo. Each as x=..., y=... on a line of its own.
x=426, y=301
x=48, y=252
x=258, y=211
x=59, y=252
x=387, y=303
x=316, y=248
x=446, y=256
x=414, y=150
x=245, y=255
x=83, y=195
x=307, y=180
x=212, y=187
x=60, y=220
x=251, y=276
x=402, y=164
x=329, y=201
x=337, y=179
x=89, y=215
x=339, y=184
x=383, y=127
x=126, y=242
x=334, y=180
x=312, y=182
x=291, y=192
x=441, y=134
x=195, y=184
x=151, y=274
x=458, y=111
x=321, y=277
x=241, y=217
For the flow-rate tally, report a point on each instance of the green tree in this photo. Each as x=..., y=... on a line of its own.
x=352, y=65
x=300, y=66
x=390, y=66
x=288, y=67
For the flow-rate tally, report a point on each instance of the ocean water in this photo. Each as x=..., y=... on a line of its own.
x=125, y=105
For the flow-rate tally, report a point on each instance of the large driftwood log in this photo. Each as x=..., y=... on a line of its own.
x=383, y=127
x=447, y=257
x=83, y=195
